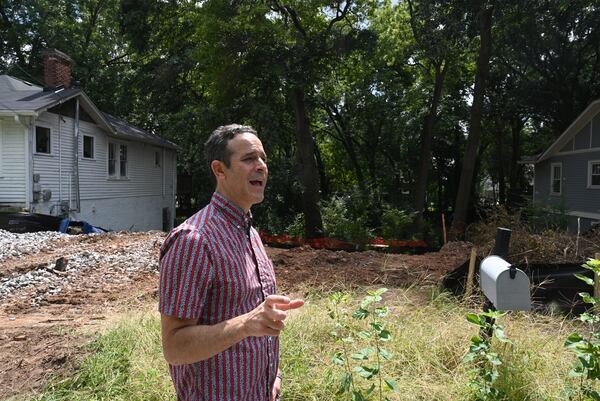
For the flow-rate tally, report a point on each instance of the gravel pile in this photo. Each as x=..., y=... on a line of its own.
x=14, y=245
x=83, y=269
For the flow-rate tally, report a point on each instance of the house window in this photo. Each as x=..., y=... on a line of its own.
x=88, y=147
x=556, y=178
x=42, y=140
x=123, y=161
x=594, y=174
x=157, y=159
x=117, y=160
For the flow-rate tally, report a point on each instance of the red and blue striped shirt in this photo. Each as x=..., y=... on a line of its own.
x=213, y=267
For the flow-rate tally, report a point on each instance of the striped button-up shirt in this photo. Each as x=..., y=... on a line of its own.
x=213, y=267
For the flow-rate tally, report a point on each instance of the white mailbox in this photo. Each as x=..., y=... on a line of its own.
x=507, y=288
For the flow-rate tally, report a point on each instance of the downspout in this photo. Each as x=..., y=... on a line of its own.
x=59, y=164
x=76, y=157
x=28, y=164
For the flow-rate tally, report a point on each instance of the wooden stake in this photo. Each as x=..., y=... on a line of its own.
x=469, y=286
x=444, y=228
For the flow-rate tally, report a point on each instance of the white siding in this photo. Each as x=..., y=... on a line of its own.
x=136, y=200
x=13, y=159
x=55, y=169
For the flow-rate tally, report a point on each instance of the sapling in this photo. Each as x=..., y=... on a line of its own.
x=486, y=361
x=368, y=362
x=587, y=348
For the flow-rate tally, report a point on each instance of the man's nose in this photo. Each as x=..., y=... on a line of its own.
x=262, y=165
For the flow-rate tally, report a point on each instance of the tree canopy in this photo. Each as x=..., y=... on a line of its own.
x=380, y=109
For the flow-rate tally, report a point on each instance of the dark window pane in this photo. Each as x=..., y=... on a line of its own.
x=112, y=162
x=42, y=140
x=123, y=161
x=88, y=147
x=556, y=186
x=596, y=179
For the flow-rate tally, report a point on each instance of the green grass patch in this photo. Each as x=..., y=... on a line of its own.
x=431, y=337
x=125, y=363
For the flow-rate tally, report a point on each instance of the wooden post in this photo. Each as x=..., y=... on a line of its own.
x=469, y=285
x=444, y=228
x=596, y=279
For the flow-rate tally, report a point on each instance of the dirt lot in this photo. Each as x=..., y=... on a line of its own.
x=56, y=292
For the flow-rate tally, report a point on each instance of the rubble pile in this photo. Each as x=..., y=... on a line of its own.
x=85, y=267
x=15, y=245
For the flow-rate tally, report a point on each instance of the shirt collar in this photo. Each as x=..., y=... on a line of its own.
x=231, y=211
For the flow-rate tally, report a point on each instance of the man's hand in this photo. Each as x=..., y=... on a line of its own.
x=267, y=318
x=276, y=392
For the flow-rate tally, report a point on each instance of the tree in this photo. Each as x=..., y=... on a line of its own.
x=484, y=17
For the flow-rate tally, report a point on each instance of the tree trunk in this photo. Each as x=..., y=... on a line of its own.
x=468, y=168
x=514, y=183
x=309, y=174
x=426, y=139
x=500, y=130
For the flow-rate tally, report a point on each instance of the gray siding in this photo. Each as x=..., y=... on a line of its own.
x=576, y=196
x=568, y=147
x=596, y=131
x=582, y=139
x=13, y=159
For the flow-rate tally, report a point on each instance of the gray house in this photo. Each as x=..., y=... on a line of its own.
x=567, y=174
x=60, y=155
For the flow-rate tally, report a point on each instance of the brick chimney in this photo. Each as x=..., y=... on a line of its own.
x=57, y=68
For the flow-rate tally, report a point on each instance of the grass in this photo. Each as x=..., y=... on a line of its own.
x=431, y=336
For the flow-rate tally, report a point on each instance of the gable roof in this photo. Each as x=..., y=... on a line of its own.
x=18, y=97
x=123, y=129
x=573, y=129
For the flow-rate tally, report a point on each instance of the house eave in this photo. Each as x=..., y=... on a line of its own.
x=571, y=131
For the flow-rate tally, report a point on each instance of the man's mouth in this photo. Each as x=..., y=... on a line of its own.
x=257, y=183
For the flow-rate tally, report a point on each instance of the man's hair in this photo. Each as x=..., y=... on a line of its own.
x=215, y=148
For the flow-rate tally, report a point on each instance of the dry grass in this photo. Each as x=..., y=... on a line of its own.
x=530, y=245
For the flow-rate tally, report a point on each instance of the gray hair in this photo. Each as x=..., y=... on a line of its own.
x=215, y=148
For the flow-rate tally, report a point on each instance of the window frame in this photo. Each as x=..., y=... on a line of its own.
x=589, y=180
x=83, y=156
x=553, y=178
x=49, y=128
x=118, y=161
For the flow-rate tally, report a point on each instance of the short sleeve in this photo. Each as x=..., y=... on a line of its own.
x=186, y=274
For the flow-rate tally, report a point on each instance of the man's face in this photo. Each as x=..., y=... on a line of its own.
x=244, y=181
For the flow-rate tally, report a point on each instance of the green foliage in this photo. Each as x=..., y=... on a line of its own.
x=368, y=362
x=486, y=360
x=344, y=220
x=546, y=217
x=396, y=224
x=587, y=347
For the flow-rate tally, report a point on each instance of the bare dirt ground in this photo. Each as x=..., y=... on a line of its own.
x=47, y=318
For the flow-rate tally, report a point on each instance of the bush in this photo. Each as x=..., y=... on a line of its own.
x=396, y=224
x=540, y=218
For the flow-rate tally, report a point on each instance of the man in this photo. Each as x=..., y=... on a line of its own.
x=220, y=314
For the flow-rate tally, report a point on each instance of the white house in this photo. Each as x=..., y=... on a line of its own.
x=60, y=155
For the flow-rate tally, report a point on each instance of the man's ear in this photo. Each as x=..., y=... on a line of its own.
x=218, y=168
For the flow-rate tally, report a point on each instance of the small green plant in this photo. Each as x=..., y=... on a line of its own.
x=396, y=223
x=587, y=348
x=367, y=363
x=481, y=354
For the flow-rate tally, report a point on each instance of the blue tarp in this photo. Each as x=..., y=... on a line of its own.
x=86, y=227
